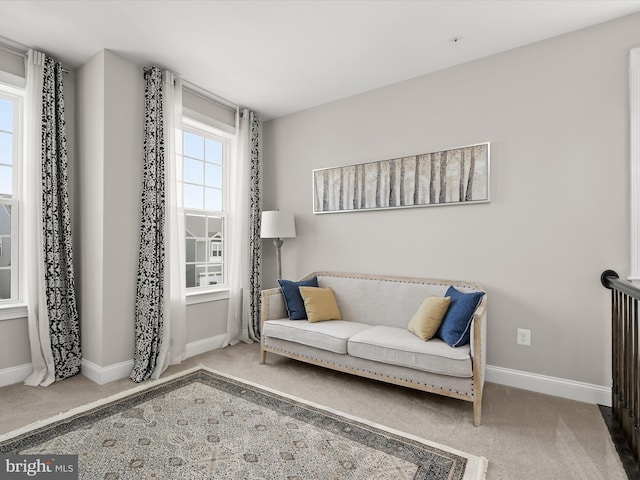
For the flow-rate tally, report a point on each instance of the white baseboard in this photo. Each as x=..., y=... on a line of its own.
x=17, y=374
x=110, y=373
x=559, y=387
x=102, y=375
x=205, y=345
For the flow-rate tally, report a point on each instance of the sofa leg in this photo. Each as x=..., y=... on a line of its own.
x=477, y=411
x=263, y=356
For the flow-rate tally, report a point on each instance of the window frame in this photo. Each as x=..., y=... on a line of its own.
x=210, y=131
x=14, y=307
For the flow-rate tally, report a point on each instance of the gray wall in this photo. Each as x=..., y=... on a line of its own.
x=89, y=244
x=206, y=320
x=110, y=132
x=556, y=114
x=14, y=343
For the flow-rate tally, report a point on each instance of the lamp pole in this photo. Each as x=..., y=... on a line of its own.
x=277, y=242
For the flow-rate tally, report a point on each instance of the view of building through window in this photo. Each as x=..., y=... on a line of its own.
x=204, y=250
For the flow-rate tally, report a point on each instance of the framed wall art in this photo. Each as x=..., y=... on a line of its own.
x=448, y=177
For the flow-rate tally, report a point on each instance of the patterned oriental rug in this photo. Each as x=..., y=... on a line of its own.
x=205, y=425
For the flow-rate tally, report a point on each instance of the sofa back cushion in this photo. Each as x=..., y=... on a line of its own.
x=376, y=300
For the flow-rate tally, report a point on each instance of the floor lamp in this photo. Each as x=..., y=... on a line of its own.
x=278, y=225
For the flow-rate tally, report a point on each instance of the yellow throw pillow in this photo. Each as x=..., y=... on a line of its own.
x=426, y=321
x=320, y=304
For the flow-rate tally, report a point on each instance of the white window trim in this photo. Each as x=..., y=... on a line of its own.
x=209, y=295
x=15, y=307
x=211, y=128
x=13, y=311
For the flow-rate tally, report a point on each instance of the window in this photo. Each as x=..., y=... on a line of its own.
x=10, y=191
x=204, y=157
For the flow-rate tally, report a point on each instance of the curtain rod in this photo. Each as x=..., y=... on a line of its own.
x=20, y=53
x=206, y=94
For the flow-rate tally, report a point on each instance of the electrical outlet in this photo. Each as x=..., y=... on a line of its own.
x=524, y=337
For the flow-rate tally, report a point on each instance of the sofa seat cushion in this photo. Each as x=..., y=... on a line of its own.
x=397, y=346
x=331, y=335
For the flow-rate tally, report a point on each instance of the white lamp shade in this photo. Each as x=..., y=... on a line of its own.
x=277, y=224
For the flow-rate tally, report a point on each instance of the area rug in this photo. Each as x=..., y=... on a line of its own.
x=202, y=424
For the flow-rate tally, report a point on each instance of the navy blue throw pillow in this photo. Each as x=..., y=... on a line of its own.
x=293, y=299
x=456, y=325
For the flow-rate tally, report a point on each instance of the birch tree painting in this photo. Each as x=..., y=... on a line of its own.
x=456, y=176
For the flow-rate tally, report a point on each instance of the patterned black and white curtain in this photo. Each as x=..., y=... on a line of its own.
x=54, y=330
x=56, y=227
x=160, y=318
x=255, y=244
x=149, y=315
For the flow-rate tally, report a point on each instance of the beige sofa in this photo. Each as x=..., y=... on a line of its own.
x=372, y=339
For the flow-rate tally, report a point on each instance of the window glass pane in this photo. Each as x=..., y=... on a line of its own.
x=201, y=250
x=5, y=235
x=5, y=283
x=193, y=146
x=201, y=276
x=6, y=115
x=214, y=233
x=213, y=200
x=6, y=148
x=215, y=250
x=213, y=151
x=213, y=175
x=193, y=197
x=214, y=275
x=6, y=180
x=196, y=226
x=193, y=171
x=191, y=276
x=190, y=249
x=5, y=252
x=214, y=227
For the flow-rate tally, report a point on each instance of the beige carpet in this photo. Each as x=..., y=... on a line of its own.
x=524, y=435
x=201, y=424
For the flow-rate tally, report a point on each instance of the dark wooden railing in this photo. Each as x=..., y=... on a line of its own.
x=625, y=389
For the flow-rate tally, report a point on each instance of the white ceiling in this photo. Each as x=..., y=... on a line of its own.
x=279, y=57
